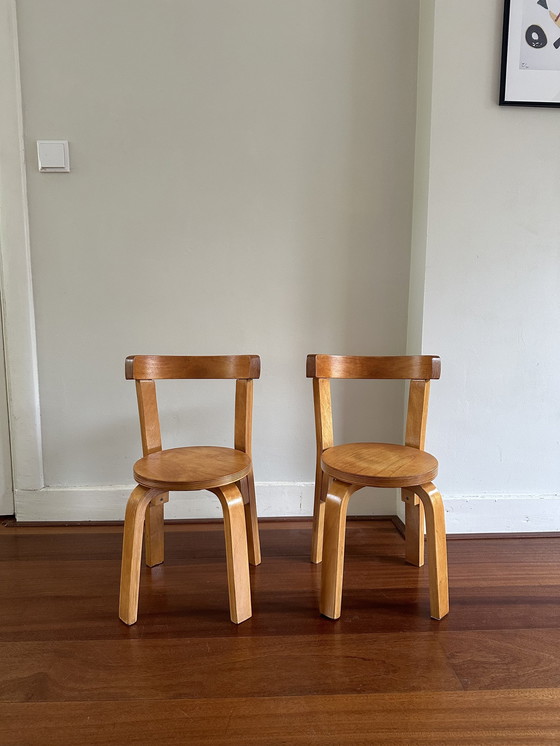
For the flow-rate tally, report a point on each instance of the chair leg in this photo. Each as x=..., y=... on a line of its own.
x=414, y=528
x=132, y=552
x=247, y=487
x=237, y=556
x=321, y=484
x=153, y=530
x=437, y=549
x=336, y=506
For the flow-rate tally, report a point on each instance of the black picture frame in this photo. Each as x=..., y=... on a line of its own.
x=522, y=84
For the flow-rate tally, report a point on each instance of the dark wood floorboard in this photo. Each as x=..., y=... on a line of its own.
x=505, y=718
x=72, y=673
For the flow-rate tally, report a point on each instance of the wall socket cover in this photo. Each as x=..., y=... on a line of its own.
x=53, y=156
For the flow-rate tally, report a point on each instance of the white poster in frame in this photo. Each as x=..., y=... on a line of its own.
x=531, y=53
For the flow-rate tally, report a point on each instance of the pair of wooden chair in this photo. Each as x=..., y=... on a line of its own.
x=228, y=473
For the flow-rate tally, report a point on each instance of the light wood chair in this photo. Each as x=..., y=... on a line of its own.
x=227, y=472
x=344, y=469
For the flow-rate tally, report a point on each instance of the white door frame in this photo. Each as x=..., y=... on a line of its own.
x=16, y=287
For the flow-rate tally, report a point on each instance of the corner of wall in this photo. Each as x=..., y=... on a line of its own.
x=414, y=339
x=421, y=176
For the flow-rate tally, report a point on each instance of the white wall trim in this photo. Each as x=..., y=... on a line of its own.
x=107, y=503
x=491, y=513
x=15, y=269
x=464, y=513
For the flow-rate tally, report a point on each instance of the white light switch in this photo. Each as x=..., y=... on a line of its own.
x=53, y=156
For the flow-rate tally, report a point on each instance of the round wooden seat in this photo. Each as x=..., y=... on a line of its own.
x=192, y=468
x=379, y=464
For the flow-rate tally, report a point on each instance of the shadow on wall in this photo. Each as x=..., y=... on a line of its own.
x=358, y=300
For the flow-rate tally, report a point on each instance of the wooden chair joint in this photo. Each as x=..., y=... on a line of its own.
x=410, y=497
x=160, y=499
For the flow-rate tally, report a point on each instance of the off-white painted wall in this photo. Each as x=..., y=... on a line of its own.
x=241, y=182
x=492, y=283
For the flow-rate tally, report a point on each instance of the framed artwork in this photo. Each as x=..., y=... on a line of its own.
x=531, y=53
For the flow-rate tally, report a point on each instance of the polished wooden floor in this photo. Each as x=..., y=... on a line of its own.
x=385, y=673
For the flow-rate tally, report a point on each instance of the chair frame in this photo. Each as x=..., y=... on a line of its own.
x=145, y=507
x=423, y=503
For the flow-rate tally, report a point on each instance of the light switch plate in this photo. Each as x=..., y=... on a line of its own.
x=53, y=156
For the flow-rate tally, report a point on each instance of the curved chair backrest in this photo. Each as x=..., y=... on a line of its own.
x=150, y=367
x=419, y=369
x=146, y=369
x=412, y=367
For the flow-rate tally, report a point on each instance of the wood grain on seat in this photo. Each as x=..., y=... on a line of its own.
x=379, y=464
x=192, y=468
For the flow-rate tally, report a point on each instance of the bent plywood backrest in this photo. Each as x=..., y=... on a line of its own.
x=412, y=367
x=152, y=367
x=419, y=369
x=146, y=369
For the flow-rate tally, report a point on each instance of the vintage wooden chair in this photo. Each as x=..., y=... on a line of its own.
x=344, y=469
x=227, y=472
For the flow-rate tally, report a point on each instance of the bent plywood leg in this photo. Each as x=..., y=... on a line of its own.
x=336, y=506
x=414, y=528
x=237, y=557
x=247, y=487
x=153, y=530
x=132, y=551
x=437, y=549
x=321, y=484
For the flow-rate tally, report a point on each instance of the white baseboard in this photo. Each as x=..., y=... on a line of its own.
x=484, y=514
x=108, y=503
x=98, y=503
x=464, y=513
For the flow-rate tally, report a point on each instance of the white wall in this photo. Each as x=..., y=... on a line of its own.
x=241, y=182
x=492, y=283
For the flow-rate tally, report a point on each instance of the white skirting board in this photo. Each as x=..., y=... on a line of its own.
x=498, y=514
x=464, y=513
x=274, y=500
x=483, y=514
